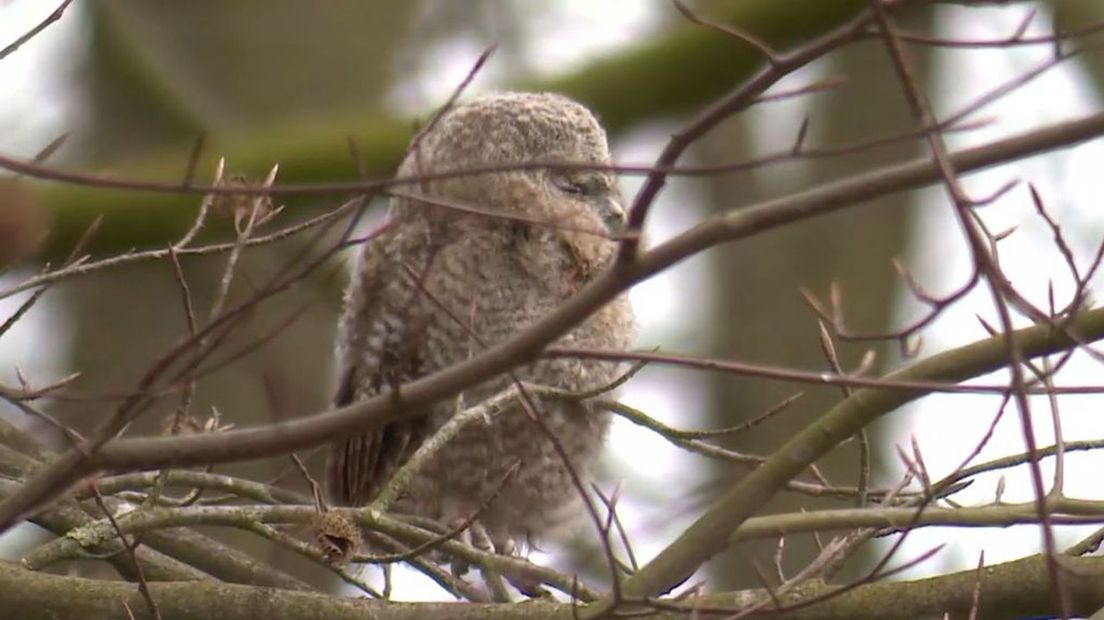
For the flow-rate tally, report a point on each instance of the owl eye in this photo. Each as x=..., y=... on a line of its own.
x=574, y=187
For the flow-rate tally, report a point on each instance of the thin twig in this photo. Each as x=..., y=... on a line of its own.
x=33, y=32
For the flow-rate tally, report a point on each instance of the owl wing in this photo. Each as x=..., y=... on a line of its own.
x=359, y=466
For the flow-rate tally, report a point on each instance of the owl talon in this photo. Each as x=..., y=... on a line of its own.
x=529, y=586
x=479, y=538
x=474, y=536
x=459, y=567
x=506, y=547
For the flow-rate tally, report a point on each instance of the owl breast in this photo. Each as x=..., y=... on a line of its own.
x=480, y=293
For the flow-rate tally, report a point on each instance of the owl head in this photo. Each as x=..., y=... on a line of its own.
x=505, y=129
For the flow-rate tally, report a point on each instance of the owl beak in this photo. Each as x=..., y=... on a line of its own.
x=613, y=214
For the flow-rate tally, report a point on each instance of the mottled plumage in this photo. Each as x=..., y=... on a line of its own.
x=438, y=282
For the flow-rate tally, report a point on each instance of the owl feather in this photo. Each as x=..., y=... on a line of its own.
x=439, y=285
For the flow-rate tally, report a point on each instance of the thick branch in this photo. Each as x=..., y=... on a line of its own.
x=1010, y=590
x=165, y=556
x=699, y=542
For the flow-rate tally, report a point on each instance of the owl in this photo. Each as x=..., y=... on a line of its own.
x=440, y=285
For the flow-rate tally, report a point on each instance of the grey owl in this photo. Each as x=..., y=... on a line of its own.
x=439, y=285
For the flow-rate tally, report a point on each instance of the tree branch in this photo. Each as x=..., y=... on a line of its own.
x=1009, y=590
x=698, y=542
x=316, y=429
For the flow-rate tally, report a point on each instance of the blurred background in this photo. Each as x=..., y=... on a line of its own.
x=134, y=85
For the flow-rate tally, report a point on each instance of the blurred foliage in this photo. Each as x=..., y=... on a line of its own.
x=245, y=67
x=1073, y=14
x=673, y=72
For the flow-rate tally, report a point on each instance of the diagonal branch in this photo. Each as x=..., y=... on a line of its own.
x=313, y=430
x=698, y=542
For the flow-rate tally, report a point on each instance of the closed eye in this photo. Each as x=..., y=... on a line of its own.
x=571, y=186
x=585, y=186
